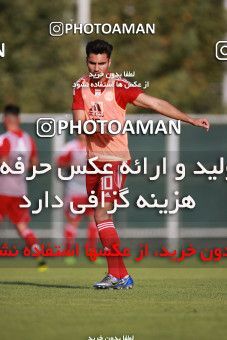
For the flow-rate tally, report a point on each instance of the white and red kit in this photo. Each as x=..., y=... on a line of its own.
x=13, y=186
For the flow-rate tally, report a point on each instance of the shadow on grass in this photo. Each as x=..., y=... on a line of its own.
x=22, y=283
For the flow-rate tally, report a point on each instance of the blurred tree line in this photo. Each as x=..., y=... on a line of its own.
x=178, y=61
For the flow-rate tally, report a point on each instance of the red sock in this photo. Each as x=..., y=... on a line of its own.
x=69, y=235
x=108, y=236
x=92, y=235
x=30, y=238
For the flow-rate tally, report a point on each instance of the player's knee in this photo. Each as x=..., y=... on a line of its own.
x=101, y=215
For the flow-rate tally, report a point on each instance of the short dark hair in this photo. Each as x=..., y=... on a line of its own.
x=11, y=109
x=98, y=47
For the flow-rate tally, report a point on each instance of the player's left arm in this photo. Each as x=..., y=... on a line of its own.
x=167, y=109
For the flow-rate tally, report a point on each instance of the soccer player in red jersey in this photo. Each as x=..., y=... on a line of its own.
x=17, y=144
x=74, y=153
x=105, y=98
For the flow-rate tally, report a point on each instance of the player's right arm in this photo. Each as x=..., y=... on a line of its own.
x=34, y=158
x=4, y=150
x=79, y=115
x=78, y=106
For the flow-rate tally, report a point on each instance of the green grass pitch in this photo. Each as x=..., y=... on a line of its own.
x=166, y=303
